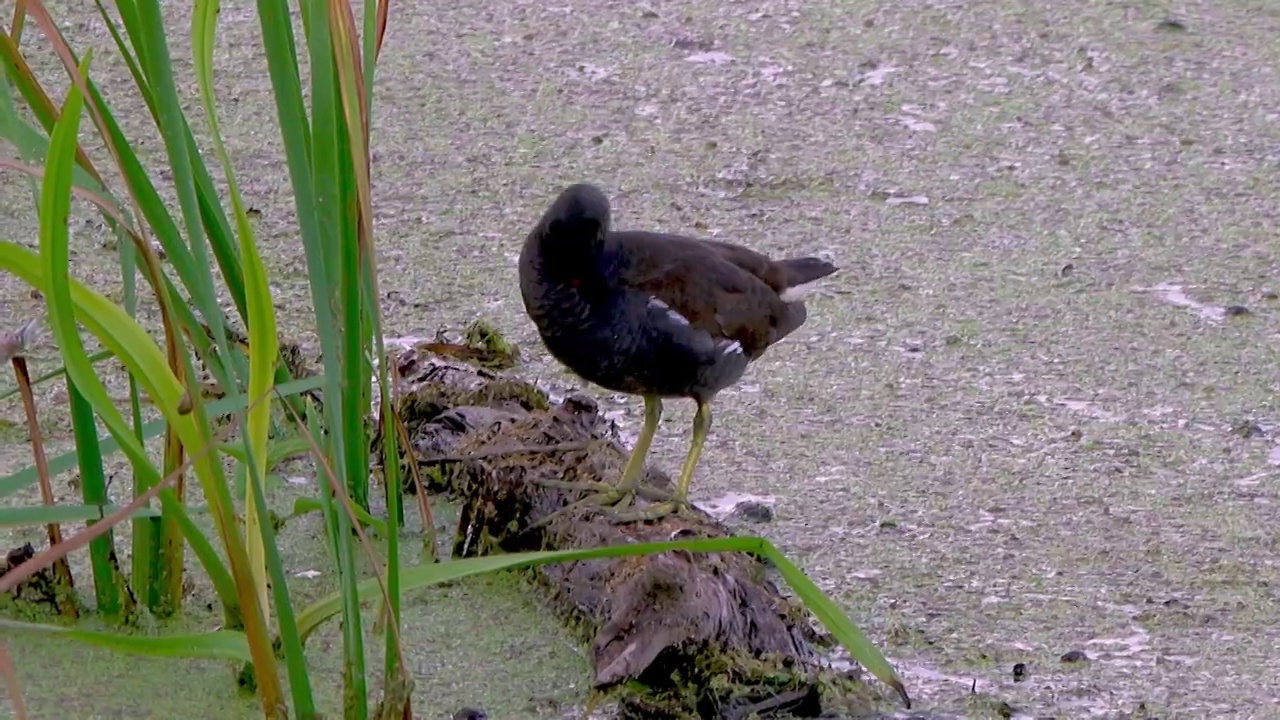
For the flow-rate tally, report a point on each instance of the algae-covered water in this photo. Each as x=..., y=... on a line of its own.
x=1024, y=420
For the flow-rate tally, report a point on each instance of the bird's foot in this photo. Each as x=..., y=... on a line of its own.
x=606, y=494
x=677, y=506
x=601, y=496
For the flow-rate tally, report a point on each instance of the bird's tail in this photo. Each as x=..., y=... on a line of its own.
x=800, y=276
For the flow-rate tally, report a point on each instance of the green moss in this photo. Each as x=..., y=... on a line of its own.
x=497, y=352
x=506, y=390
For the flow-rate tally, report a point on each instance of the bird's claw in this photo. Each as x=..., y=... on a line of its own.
x=608, y=494
x=603, y=496
x=672, y=506
x=569, y=509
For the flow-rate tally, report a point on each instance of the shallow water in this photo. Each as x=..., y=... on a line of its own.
x=985, y=443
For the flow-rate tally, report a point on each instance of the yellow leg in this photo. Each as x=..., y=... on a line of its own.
x=701, y=427
x=679, y=502
x=635, y=465
x=619, y=496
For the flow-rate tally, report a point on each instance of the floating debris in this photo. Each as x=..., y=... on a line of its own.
x=917, y=125
x=1177, y=295
x=877, y=76
x=909, y=200
x=1248, y=429
x=1074, y=656
x=712, y=58
x=754, y=508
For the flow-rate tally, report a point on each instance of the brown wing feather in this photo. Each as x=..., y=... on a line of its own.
x=758, y=264
x=725, y=289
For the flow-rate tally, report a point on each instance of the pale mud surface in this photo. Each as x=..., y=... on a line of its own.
x=1022, y=421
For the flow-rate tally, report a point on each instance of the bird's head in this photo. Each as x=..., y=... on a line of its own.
x=572, y=232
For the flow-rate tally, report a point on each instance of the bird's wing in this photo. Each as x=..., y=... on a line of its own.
x=707, y=284
x=758, y=264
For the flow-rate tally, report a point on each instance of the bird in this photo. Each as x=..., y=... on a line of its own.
x=654, y=314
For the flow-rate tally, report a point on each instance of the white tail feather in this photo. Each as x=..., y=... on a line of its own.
x=800, y=292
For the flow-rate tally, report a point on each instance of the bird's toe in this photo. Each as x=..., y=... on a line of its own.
x=658, y=511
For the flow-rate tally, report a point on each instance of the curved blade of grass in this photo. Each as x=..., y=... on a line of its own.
x=129, y=342
x=215, y=645
x=153, y=45
x=325, y=192
x=24, y=478
x=108, y=584
x=355, y=80
x=193, y=272
x=263, y=350
x=37, y=99
x=138, y=352
x=54, y=374
x=44, y=514
x=835, y=621
x=291, y=642
x=145, y=559
x=54, y=280
x=277, y=451
x=827, y=612
x=45, y=558
x=263, y=341
x=32, y=145
x=55, y=209
x=302, y=506
x=215, y=221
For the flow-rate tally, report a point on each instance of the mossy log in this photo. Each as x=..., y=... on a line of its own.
x=671, y=635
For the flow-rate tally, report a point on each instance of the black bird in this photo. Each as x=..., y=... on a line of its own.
x=656, y=315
